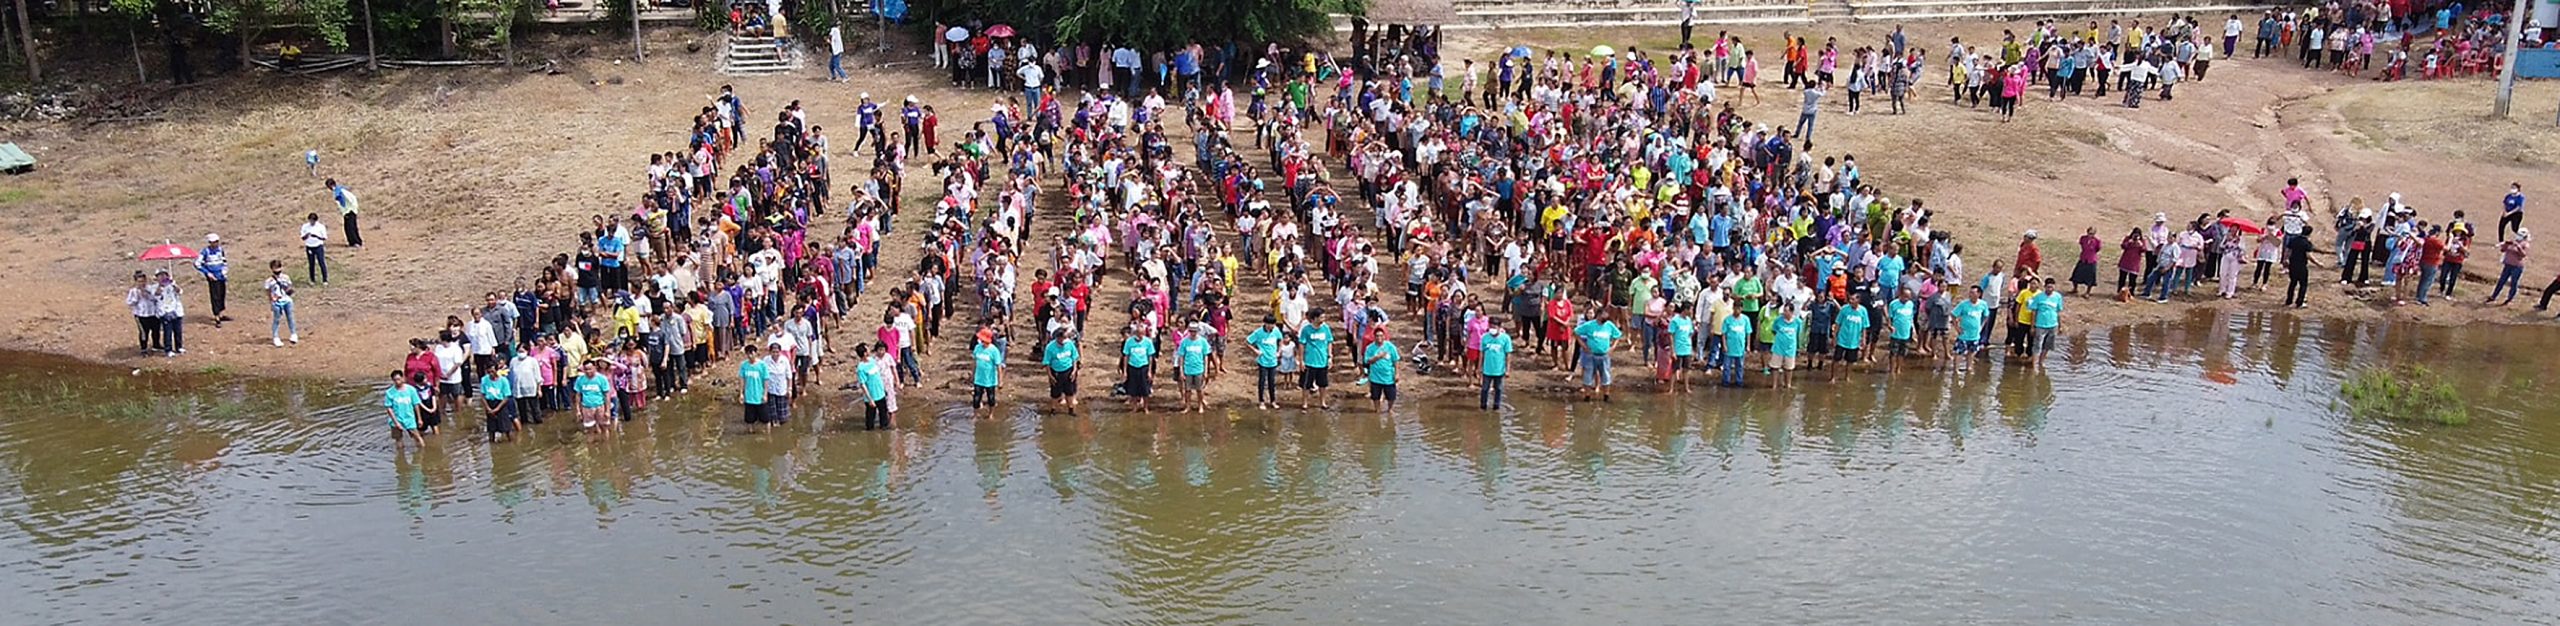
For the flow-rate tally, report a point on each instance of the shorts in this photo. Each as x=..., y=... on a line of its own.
x=1901, y=347
x=1193, y=382
x=1382, y=391
x=1682, y=362
x=1140, y=384
x=1315, y=378
x=1783, y=363
x=1062, y=384
x=2043, y=338
x=1595, y=370
x=777, y=412
x=754, y=412
x=1845, y=354
x=449, y=390
x=1967, y=347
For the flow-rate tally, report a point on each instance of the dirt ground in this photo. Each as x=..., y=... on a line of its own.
x=473, y=177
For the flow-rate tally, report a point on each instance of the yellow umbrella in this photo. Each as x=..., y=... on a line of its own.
x=1602, y=50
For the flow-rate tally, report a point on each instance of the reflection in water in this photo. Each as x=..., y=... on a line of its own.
x=2179, y=473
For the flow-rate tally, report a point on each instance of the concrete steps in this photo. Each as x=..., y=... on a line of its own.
x=756, y=56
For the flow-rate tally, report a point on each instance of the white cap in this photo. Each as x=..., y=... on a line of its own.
x=911, y=97
x=2159, y=217
x=866, y=95
x=2521, y=233
x=212, y=238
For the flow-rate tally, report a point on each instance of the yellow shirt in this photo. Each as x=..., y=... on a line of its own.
x=626, y=322
x=2026, y=314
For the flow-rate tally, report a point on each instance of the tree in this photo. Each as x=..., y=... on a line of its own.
x=1144, y=23
x=27, y=33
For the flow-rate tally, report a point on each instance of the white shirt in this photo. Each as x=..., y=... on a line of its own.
x=449, y=360
x=835, y=39
x=314, y=234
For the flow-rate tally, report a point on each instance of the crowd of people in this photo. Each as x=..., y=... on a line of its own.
x=1566, y=215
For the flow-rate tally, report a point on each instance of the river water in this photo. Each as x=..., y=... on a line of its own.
x=2184, y=473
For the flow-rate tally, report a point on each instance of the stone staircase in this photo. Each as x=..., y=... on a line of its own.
x=756, y=56
x=1831, y=10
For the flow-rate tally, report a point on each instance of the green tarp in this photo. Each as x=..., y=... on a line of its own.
x=14, y=160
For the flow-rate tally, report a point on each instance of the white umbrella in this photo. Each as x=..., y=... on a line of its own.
x=956, y=34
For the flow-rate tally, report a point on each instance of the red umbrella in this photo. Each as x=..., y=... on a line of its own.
x=2245, y=226
x=1000, y=30
x=168, y=251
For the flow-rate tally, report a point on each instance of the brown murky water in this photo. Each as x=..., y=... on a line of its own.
x=2191, y=473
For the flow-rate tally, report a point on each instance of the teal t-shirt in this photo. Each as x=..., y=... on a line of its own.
x=1317, y=339
x=1684, y=332
x=1382, y=362
x=875, y=386
x=751, y=381
x=403, y=401
x=1898, y=315
x=986, y=363
x=1139, y=350
x=1195, y=355
x=1597, y=335
x=497, y=387
x=1737, y=335
x=2048, y=308
x=1266, y=347
x=1969, y=320
x=1497, y=354
x=1785, y=336
x=1853, y=326
x=1060, y=355
x=592, y=391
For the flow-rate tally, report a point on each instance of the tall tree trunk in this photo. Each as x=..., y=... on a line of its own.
x=27, y=34
x=372, y=61
x=638, y=53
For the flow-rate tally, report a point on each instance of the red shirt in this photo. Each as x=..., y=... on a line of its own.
x=2029, y=258
x=2431, y=251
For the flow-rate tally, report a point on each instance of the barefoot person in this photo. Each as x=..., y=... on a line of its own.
x=1496, y=362
x=402, y=401
x=1379, y=358
x=1060, y=355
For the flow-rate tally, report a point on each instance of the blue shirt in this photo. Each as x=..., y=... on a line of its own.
x=1853, y=326
x=2048, y=309
x=751, y=379
x=1382, y=362
x=1683, y=332
x=1266, y=347
x=1898, y=315
x=1969, y=315
x=1060, y=355
x=988, y=362
x=592, y=390
x=403, y=401
x=1139, y=350
x=497, y=387
x=1317, y=338
x=1497, y=353
x=1889, y=274
x=613, y=246
x=1784, y=336
x=1195, y=355
x=874, y=385
x=1737, y=335
x=1597, y=335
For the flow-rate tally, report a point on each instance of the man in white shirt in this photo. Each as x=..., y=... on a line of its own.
x=1030, y=73
x=315, y=254
x=835, y=53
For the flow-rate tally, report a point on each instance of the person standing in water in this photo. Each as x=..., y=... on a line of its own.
x=402, y=401
x=497, y=397
x=1060, y=355
x=1380, y=358
x=751, y=393
x=2047, y=306
x=1496, y=364
x=986, y=365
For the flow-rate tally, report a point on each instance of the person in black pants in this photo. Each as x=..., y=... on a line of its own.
x=2547, y=290
x=2297, y=268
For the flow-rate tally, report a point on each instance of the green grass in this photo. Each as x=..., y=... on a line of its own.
x=2404, y=394
x=17, y=195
